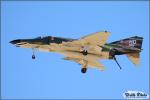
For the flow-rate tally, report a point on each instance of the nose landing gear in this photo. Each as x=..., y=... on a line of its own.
x=33, y=55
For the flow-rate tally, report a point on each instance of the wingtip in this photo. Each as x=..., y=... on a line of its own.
x=102, y=69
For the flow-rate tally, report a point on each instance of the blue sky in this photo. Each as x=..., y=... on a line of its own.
x=51, y=77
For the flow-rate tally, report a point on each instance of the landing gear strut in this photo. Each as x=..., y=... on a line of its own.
x=33, y=55
x=84, y=66
x=84, y=52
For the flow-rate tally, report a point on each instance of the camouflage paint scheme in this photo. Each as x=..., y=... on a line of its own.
x=87, y=50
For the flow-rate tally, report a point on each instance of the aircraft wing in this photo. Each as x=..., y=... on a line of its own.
x=96, y=64
x=98, y=38
x=88, y=63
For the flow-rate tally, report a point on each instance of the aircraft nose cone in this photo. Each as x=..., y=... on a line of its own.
x=15, y=41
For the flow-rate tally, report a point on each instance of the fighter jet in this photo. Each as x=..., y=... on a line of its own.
x=88, y=50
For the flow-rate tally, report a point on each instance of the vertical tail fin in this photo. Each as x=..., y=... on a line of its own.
x=134, y=42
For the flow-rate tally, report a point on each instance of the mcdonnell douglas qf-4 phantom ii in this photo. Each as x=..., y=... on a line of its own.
x=87, y=50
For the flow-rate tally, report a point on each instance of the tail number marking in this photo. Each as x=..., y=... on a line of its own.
x=132, y=43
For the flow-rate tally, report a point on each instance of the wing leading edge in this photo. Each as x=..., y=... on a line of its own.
x=98, y=38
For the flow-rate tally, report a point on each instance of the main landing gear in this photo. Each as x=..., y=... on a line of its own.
x=83, y=70
x=84, y=66
x=84, y=50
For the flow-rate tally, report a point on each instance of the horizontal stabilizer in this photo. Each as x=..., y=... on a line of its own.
x=135, y=58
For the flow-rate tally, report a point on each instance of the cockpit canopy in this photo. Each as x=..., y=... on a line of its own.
x=53, y=38
x=41, y=37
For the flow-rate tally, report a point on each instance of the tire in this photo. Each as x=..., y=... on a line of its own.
x=33, y=56
x=83, y=70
